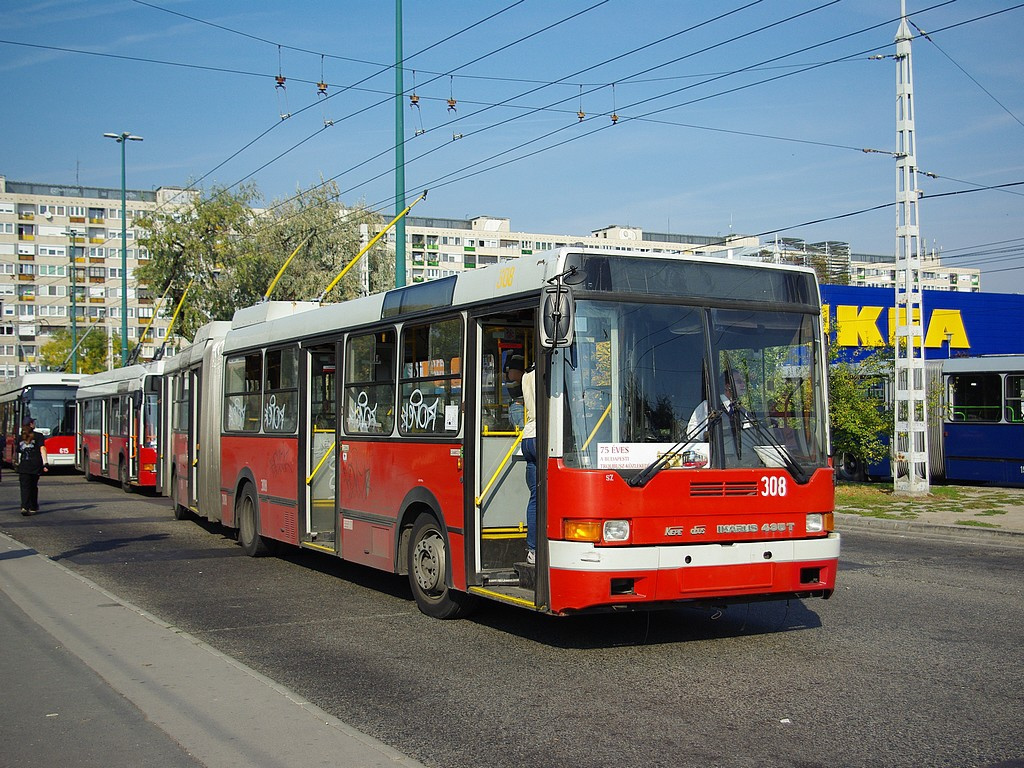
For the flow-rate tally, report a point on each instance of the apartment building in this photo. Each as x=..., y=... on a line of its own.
x=439, y=247
x=57, y=240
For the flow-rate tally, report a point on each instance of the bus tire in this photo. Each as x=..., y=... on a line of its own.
x=428, y=565
x=89, y=476
x=181, y=512
x=122, y=475
x=248, y=516
x=851, y=468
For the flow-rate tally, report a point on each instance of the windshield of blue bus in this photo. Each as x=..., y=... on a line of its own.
x=53, y=410
x=722, y=388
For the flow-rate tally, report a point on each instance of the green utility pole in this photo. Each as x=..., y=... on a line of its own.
x=74, y=305
x=121, y=138
x=399, y=150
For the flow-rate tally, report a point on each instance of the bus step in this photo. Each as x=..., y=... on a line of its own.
x=322, y=537
x=501, y=579
x=527, y=575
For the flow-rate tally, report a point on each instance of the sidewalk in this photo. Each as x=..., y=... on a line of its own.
x=973, y=512
x=133, y=691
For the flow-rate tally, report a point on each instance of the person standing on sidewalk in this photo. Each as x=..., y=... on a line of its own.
x=31, y=464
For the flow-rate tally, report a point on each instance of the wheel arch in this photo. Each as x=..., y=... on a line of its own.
x=245, y=477
x=415, y=503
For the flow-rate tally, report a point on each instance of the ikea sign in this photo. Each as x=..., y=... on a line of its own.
x=955, y=324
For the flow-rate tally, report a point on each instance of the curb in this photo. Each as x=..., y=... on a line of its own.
x=845, y=520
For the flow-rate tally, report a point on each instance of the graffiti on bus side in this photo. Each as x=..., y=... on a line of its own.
x=273, y=415
x=364, y=416
x=417, y=415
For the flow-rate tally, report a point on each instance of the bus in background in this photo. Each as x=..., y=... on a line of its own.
x=49, y=398
x=192, y=381
x=119, y=426
x=983, y=425
x=682, y=433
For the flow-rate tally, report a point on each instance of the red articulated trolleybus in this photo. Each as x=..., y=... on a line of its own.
x=119, y=426
x=49, y=398
x=682, y=432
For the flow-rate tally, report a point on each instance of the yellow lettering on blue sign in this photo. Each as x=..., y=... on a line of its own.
x=857, y=326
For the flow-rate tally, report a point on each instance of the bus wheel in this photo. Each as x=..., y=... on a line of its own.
x=181, y=512
x=248, y=518
x=851, y=468
x=89, y=476
x=428, y=560
x=122, y=476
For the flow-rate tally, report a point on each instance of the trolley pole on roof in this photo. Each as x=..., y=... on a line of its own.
x=910, y=437
x=399, y=149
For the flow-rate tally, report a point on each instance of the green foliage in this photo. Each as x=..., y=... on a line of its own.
x=231, y=254
x=92, y=349
x=859, y=417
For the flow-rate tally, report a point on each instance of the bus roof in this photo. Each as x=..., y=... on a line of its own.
x=271, y=322
x=984, y=364
x=118, y=380
x=39, y=379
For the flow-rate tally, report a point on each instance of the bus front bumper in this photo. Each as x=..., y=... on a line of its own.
x=584, y=576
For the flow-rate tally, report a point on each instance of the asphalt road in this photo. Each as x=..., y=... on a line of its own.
x=915, y=661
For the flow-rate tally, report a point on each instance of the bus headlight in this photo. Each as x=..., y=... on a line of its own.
x=819, y=522
x=596, y=531
x=616, y=530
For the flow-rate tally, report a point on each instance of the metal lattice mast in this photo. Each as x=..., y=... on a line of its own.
x=910, y=438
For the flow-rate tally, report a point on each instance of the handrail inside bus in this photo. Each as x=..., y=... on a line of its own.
x=597, y=426
x=320, y=463
x=501, y=466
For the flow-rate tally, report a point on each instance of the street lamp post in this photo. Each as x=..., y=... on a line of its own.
x=74, y=305
x=121, y=138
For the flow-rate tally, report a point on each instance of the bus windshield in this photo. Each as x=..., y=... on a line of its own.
x=53, y=410
x=721, y=388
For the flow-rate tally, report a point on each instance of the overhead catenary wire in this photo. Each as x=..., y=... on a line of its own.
x=440, y=181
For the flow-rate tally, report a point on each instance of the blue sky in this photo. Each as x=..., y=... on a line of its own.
x=739, y=117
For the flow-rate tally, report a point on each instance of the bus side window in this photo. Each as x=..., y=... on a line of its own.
x=431, y=378
x=370, y=384
x=242, y=397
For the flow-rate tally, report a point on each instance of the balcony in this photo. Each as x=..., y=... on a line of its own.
x=96, y=299
x=25, y=236
x=29, y=278
x=26, y=216
x=97, y=220
x=77, y=219
x=97, y=240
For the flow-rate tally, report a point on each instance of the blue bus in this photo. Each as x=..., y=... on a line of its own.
x=983, y=423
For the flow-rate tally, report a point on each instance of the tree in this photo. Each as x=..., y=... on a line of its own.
x=860, y=417
x=330, y=236
x=192, y=247
x=226, y=254
x=92, y=349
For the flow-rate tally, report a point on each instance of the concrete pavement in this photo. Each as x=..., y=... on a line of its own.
x=90, y=679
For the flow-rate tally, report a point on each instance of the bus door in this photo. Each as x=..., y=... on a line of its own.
x=131, y=428
x=108, y=412
x=320, y=476
x=194, y=382
x=500, y=492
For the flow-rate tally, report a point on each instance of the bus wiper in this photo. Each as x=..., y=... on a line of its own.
x=644, y=476
x=798, y=472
